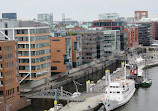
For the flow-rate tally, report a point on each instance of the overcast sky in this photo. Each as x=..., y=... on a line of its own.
x=81, y=10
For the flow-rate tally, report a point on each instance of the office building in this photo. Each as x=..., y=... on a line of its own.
x=61, y=54
x=46, y=18
x=111, y=42
x=9, y=15
x=108, y=16
x=140, y=14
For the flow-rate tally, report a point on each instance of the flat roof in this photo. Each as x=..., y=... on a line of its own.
x=23, y=28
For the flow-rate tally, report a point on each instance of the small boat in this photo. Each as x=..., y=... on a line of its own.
x=147, y=82
x=118, y=92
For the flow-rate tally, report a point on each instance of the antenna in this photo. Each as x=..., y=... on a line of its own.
x=63, y=18
x=125, y=70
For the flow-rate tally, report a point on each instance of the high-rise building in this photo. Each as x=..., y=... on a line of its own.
x=111, y=42
x=61, y=54
x=46, y=18
x=9, y=15
x=33, y=50
x=141, y=14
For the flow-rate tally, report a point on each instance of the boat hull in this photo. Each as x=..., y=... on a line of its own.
x=146, y=84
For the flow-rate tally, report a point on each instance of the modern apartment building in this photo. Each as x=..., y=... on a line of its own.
x=89, y=46
x=100, y=44
x=132, y=35
x=9, y=16
x=61, y=54
x=144, y=38
x=33, y=50
x=112, y=25
x=76, y=51
x=152, y=28
x=140, y=14
x=111, y=42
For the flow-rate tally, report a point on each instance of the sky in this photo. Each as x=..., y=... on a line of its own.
x=81, y=10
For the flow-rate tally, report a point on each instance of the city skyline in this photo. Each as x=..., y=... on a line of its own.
x=81, y=10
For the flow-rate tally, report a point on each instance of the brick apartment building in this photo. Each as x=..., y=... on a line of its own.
x=132, y=35
x=89, y=46
x=9, y=81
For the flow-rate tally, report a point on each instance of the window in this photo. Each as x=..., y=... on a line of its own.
x=1, y=83
x=56, y=61
x=6, y=25
x=1, y=93
x=56, y=40
x=0, y=66
x=75, y=45
x=1, y=75
x=54, y=68
x=18, y=89
x=0, y=57
x=58, y=50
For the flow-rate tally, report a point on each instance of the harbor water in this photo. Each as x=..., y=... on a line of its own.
x=144, y=99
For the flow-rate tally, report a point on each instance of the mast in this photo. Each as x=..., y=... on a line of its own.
x=147, y=72
x=125, y=70
x=145, y=69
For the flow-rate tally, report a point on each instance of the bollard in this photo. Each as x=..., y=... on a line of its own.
x=122, y=65
x=61, y=88
x=55, y=105
x=88, y=86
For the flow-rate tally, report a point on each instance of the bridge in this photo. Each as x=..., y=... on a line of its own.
x=59, y=94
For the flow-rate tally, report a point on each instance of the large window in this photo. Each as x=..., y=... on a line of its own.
x=105, y=23
x=54, y=68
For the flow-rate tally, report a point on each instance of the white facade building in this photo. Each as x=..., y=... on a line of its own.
x=111, y=42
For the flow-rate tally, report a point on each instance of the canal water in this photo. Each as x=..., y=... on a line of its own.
x=143, y=99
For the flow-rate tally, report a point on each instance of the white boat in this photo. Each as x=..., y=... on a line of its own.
x=118, y=92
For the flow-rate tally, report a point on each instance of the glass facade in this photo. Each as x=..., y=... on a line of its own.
x=38, y=55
